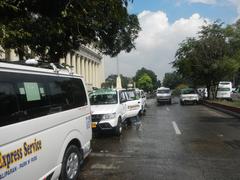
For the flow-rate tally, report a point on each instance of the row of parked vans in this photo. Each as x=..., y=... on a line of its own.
x=110, y=108
x=46, y=119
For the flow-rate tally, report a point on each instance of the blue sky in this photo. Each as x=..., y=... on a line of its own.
x=177, y=9
x=165, y=24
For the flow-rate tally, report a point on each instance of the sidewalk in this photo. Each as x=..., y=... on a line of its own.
x=234, y=111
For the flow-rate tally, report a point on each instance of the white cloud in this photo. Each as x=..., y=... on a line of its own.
x=236, y=3
x=203, y=1
x=156, y=44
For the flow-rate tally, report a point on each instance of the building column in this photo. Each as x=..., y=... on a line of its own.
x=82, y=66
x=90, y=71
x=78, y=65
x=95, y=74
x=68, y=59
x=62, y=61
x=87, y=69
x=73, y=63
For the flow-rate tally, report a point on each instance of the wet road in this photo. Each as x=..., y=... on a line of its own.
x=171, y=142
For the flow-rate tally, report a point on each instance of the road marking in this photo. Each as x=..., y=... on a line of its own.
x=175, y=126
x=104, y=166
x=168, y=109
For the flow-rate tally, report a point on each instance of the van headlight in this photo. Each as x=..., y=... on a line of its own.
x=108, y=116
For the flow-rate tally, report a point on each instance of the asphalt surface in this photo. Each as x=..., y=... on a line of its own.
x=169, y=142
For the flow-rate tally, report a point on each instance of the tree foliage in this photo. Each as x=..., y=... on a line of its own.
x=172, y=80
x=51, y=29
x=145, y=82
x=150, y=73
x=206, y=60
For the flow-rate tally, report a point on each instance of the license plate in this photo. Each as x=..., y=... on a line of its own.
x=94, y=125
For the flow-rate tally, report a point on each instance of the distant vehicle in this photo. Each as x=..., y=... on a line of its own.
x=189, y=95
x=164, y=95
x=133, y=103
x=224, y=90
x=109, y=110
x=143, y=99
x=45, y=127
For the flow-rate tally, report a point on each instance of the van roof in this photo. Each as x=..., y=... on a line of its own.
x=163, y=88
x=8, y=66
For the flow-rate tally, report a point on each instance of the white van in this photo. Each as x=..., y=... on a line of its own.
x=108, y=109
x=133, y=104
x=224, y=90
x=45, y=127
x=164, y=95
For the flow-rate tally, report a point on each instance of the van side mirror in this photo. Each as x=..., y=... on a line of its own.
x=123, y=101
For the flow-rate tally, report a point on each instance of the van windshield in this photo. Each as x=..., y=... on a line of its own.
x=101, y=99
x=188, y=91
x=132, y=95
x=164, y=91
x=223, y=89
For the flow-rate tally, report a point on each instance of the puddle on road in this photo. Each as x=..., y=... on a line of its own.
x=208, y=146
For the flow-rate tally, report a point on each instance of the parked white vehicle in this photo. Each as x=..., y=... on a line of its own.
x=142, y=97
x=133, y=104
x=189, y=95
x=45, y=127
x=109, y=109
x=224, y=90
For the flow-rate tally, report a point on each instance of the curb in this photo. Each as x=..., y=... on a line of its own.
x=223, y=108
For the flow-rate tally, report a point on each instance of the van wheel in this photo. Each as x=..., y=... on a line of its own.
x=71, y=163
x=118, y=130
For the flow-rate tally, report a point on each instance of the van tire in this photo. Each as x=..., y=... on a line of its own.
x=118, y=130
x=72, y=152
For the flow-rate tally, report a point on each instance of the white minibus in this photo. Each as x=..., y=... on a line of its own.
x=224, y=90
x=45, y=123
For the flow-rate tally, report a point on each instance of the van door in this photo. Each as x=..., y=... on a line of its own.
x=123, y=103
x=133, y=105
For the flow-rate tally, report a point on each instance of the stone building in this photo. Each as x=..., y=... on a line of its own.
x=85, y=61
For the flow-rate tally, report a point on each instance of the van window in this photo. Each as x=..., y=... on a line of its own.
x=163, y=91
x=24, y=97
x=8, y=103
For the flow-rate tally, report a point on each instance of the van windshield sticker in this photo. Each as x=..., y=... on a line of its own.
x=22, y=91
x=32, y=91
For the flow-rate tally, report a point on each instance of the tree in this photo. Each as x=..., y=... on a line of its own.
x=150, y=73
x=172, y=80
x=111, y=81
x=51, y=29
x=145, y=82
x=204, y=60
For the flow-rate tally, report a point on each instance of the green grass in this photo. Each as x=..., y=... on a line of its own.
x=227, y=103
